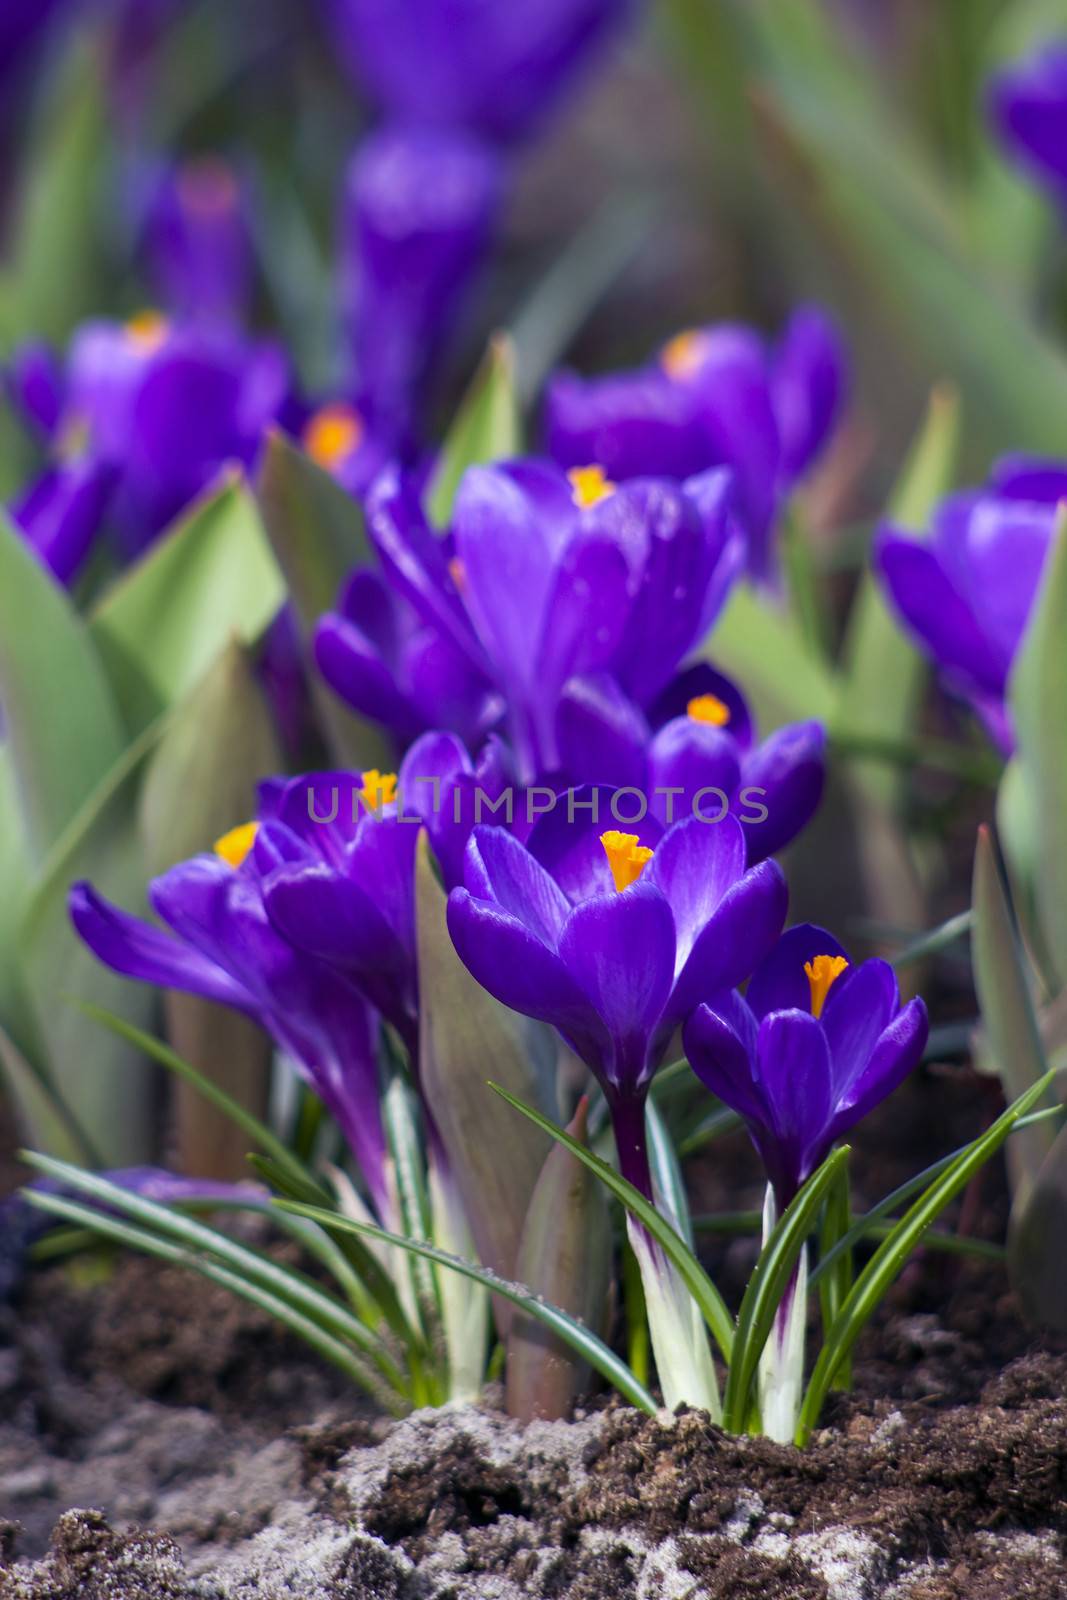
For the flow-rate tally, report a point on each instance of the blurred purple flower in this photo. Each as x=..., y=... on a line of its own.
x=614, y=938
x=477, y=65
x=157, y=409
x=419, y=214
x=715, y=396
x=197, y=243
x=62, y=513
x=1028, y=110
x=696, y=747
x=815, y=1044
x=966, y=595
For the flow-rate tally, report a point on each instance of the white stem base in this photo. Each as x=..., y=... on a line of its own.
x=781, y=1368
x=465, y=1305
x=679, y=1336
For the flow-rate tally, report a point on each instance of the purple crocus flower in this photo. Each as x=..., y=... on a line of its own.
x=966, y=595
x=197, y=243
x=161, y=407
x=613, y=937
x=474, y=64
x=222, y=945
x=695, y=751
x=547, y=577
x=816, y=1043
x=1028, y=111
x=419, y=215
x=714, y=395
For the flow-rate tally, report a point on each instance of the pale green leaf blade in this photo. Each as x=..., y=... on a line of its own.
x=486, y=428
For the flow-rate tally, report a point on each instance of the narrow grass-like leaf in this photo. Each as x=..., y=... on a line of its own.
x=717, y=1123
x=709, y=1301
x=893, y=1252
x=667, y=1174
x=767, y=1286
x=305, y=1328
x=833, y=1290
x=409, y=1173
x=581, y=1339
x=932, y=943
x=285, y=1282
x=366, y=1276
x=741, y=1224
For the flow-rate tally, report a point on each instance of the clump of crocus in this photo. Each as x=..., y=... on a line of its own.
x=712, y=396
x=547, y=578
x=813, y=1046
x=1028, y=111
x=613, y=936
x=966, y=593
x=139, y=420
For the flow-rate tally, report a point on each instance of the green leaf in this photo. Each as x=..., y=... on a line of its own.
x=708, y=1299
x=61, y=723
x=565, y=1257
x=41, y=1110
x=211, y=579
x=767, y=1286
x=317, y=533
x=892, y=1254
x=836, y=1221
x=580, y=1339
x=762, y=646
x=1035, y=1238
x=882, y=673
x=486, y=428
x=1011, y=1032
x=1038, y=700
x=51, y=278
x=106, y=1090
x=669, y=1185
x=294, y=1287
x=465, y=1036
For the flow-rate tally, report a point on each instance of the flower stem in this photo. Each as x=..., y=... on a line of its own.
x=781, y=1369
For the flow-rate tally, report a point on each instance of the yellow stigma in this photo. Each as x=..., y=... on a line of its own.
x=458, y=573
x=626, y=858
x=379, y=789
x=589, y=486
x=235, y=845
x=822, y=973
x=708, y=708
x=146, y=331
x=683, y=356
x=332, y=434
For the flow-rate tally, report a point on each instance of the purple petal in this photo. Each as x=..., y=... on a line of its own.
x=1028, y=108
x=780, y=982
x=694, y=867
x=633, y=425
x=796, y=1084
x=501, y=870
x=935, y=612
x=897, y=1053
x=790, y=770
x=720, y=1045
x=1006, y=546
x=619, y=949
x=415, y=560
x=601, y=734
x=355, y=670
x=1040, y=481
x=741, y=931
x=857, y=1009
x=693, y=758
x=516, y=967
x=138, y=950
x=808, y=382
